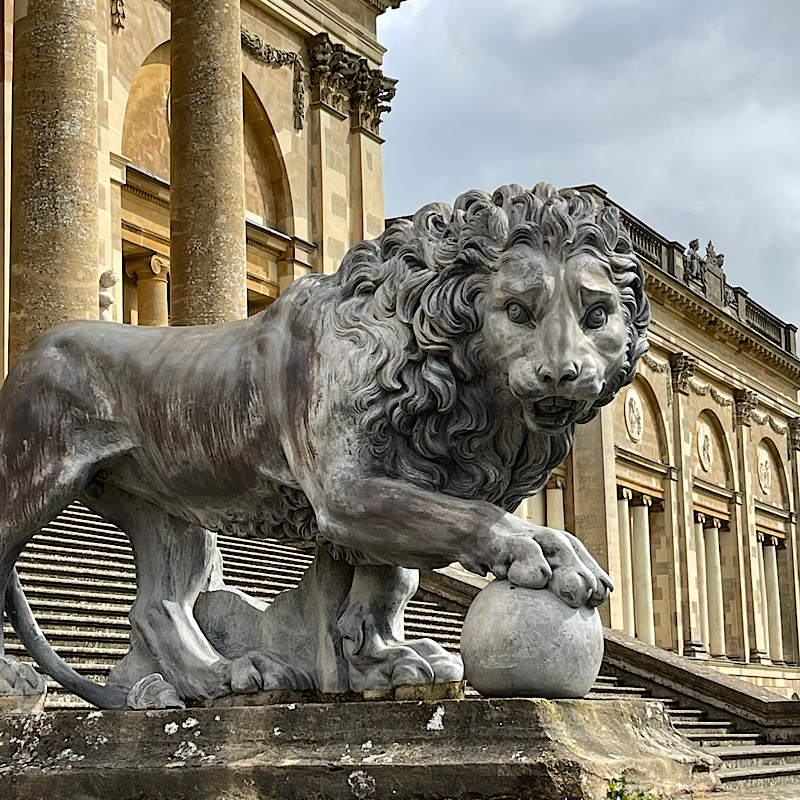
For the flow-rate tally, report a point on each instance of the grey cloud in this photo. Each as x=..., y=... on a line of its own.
x=687, y=113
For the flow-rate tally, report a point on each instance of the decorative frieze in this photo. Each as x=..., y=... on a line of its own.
x=339, y=77
x=255, y=47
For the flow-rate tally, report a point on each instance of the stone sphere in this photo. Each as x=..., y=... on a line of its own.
x=526, y=643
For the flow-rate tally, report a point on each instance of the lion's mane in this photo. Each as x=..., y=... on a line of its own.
x=432, y=409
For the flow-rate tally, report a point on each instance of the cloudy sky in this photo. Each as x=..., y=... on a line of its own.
x=687, y=112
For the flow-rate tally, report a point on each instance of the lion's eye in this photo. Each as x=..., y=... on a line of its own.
x=595, y=317
x=518, y=314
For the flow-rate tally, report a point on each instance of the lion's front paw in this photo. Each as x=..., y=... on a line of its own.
x=546, y=557
x=256, y=671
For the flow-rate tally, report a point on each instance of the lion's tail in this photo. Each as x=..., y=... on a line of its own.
x=31, y=635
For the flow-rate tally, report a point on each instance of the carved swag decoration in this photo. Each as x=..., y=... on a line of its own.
x=338, y=76
x=261, y=51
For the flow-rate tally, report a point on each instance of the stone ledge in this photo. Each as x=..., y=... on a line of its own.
x=548, y=750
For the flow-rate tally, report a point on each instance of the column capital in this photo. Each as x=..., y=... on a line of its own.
x=556, y=482
x=744, y=405
x=760, y=537
x=682, y=366
x=699, y=517
x=713, y=522
x=623, y=493
x=794, y=434
x=642, y=500
x=152, y=267
x=772, y=541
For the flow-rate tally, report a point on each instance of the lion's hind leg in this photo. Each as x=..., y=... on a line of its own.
x=381, y=660
x=171, y=658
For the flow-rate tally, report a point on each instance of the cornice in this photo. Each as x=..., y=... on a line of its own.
x=673, y=294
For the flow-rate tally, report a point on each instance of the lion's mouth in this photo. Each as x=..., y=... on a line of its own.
x=553, y=413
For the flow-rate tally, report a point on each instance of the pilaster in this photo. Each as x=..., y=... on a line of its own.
x=594, y=502
x=682, y=368
x=755, y=612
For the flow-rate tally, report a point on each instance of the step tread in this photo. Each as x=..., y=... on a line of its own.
x=761, y=771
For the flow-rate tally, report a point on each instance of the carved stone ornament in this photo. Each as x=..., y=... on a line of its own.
x=705, y=446
x=338, y=76
x=634, y=415
x=332, y=69
x=683, y=367
x=764, y=471
x=694, y=265
x=365, y=414
x=744, y=405
x=118, y=14
x=794, y=433
x=261, y=51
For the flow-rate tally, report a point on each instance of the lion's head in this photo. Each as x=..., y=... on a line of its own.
x=493, y=328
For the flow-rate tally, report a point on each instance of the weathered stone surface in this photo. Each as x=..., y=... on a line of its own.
x=519, y=642
x=525, y=749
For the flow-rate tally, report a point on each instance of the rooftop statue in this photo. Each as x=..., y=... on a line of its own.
x=391, y=416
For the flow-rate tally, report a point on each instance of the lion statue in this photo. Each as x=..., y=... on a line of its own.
x=391, y=416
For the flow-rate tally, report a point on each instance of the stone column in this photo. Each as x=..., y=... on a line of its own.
x=207, y=211
x=151, y=274
x=642, y=570
x=54, y=216
x=625, y=587
x=716, y=607
x=555, y=503
x=762, y=590
x=702, y=583
x=774, y=620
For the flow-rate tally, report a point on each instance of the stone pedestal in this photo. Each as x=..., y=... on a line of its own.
x=207, y=210
x=548, y=750
x=54, y=217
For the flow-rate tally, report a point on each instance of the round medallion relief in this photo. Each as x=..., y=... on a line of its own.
x=764, y=471
x=634, y=415
x=705, y=446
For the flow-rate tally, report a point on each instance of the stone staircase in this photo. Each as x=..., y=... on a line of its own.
x=79, y=578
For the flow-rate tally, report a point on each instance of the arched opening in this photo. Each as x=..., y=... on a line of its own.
x=145, y=218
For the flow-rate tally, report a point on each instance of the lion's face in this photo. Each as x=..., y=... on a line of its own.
x=557, y=329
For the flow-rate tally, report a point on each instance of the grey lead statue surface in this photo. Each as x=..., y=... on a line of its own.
x=392, y=415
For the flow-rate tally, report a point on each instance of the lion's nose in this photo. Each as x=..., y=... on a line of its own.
x=556, y=374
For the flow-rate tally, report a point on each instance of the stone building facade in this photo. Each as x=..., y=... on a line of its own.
x=686, y=487
x=131, y=119
x=134, y=121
